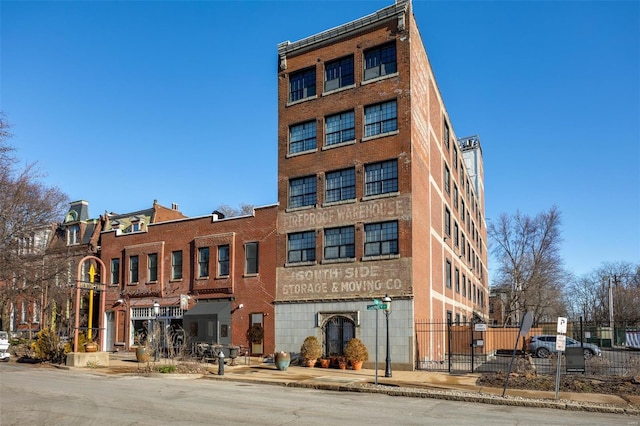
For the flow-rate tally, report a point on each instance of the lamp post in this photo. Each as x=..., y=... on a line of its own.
x=387, y=311
x=156, y=343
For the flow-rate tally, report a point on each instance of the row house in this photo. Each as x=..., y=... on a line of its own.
x=212, y=277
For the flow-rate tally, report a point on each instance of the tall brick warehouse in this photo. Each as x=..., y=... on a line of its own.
x=377, y=196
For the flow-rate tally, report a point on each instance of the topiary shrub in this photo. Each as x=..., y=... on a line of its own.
x=356, y=350
x=311, y=348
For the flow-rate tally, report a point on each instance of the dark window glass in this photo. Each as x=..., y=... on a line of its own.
x=381, y=178
x=302, y=247
x=339, y=243
x=203, y=262
x=380, y=118
x=302, y=192
x=251, y=258
x=381, y=238
x=341, y=185
x=223, y=261
x=302, y=84
x=302, y=137
x=338, y=73
x=380, y=61
x=340, y=128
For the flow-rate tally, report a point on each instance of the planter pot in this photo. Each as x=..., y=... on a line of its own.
x=282, y=360
x=142, y=354
x=342, y=364
x=91, y=347
x=324, y=362
x=356, y=365
x=311, y=363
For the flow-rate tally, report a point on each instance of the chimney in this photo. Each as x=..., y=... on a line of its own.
x=174, y=206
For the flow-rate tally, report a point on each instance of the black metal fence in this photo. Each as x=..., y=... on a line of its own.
x=476, y=347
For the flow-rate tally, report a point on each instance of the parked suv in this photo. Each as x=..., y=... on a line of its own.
x=544, y=344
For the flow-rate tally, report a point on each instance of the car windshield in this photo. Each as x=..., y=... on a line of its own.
x=572, y=342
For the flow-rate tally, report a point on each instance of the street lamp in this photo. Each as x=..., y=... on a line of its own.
x=387, y=311
x=156, y=312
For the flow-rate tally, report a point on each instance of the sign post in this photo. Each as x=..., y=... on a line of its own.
x=561, y=344
x=377, y=306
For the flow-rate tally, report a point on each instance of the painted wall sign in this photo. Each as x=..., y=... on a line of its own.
x=340, y=281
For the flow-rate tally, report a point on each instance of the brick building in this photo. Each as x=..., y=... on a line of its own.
x=212, y=276
x=376, y=194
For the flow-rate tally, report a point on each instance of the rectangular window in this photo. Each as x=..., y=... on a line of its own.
x=449, y=317
x=133, y=269
x=380, y=61
x=380, y=118
x=203, y=262
x=302, y=247
x=457, y=319
x=73, y=235
x=340, y=185
x=455, y=196
x=302, y=137
x=251, y=258
x=462, y=209
x=176, y=265
x=445, y=137
x=448, y=273
x=381, y=178
x=340, y=128
x=469, y=288
x=457, y=278
x=447, y=179
x=152, y=267
x=381, y=238
x=339, y=243
x=464, y=285
x=302, y=192
x=115, y=271
x=302, y=84
x=456, y=234
x=338, y=73
x=455, y=159
x=223, y=261
x=447, y=221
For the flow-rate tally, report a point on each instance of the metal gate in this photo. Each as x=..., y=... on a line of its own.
x=338, y=330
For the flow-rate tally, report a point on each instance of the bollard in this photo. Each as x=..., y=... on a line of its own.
x=221, y=363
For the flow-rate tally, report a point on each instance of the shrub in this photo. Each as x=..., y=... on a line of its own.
x=356, y=350
x=311, y=348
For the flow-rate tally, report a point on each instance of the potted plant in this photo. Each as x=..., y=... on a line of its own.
x=324, y=362
x=356, y=352
x=143, y=349
x=311, y=350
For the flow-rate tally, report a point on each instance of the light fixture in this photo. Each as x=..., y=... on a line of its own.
x=156, y=308
x=387, y=311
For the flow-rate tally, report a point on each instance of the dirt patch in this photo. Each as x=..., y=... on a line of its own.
x=611, y=385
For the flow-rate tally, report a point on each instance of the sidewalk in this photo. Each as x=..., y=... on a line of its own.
x=422, y=384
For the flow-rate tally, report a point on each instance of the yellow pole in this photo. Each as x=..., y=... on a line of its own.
x=92, y=275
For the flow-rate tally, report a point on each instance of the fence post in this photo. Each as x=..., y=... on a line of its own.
x=472, y=348
x=449, y=344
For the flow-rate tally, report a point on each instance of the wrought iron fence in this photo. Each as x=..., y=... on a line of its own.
x=476, y=347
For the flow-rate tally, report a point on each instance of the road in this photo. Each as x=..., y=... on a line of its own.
x=48, y=396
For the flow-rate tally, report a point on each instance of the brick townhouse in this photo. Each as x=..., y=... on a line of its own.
x=377, y=196
x=212, y=276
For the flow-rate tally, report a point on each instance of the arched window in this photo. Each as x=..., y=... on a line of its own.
x=338, y=330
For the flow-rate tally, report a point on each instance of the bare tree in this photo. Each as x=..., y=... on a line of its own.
x=28, y=208
x=244, y=210
x=530, y=269
x=610, y=292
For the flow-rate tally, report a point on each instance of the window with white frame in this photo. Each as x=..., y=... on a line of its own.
x=73, y=235
x=301, y=247
x=302, y=192
x=380, y=118
x=380, y=61
x=338, y=73
x=381, y=238
x=381, y=178
x=203, y=262
x=447, y=221
x=448, y=273
x=339, y=243
x=339, y=128
x=302, y=84
x=340, y=185
x=302, y=137
x=223, y=261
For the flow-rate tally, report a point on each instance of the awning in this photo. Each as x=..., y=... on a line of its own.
x=208, y=308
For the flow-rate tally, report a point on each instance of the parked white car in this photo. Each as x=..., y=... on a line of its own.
x=4, y=346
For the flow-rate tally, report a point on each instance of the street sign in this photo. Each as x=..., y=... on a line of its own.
x=562, y=325
x=375, y=307
x=480, y=327
x=561, y=342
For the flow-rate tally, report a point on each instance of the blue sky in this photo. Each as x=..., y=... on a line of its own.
x=122, y=102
